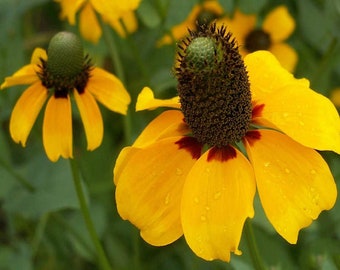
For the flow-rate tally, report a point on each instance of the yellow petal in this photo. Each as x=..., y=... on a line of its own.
x=108, y=90
x=25, y=112
x=91, y=118
x=57, y=128
x=69, y=9
x=279, y=24
x=122, y=160
x=88, y=24
x=27, y=74
x=240, y=25
x=266, y=75
x=293, y=181
x=286, y=55
x=304, y=115
x=149, y=190
x=167, y=124
x=147, y=101
x=129, y=21
x=217, y=198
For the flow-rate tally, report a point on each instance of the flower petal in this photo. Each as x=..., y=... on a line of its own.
x=88, y=24
x=91, y=118
x=26, y=111
x=293, y=181
x=147, y=101
x=27, y=74
x=266, y=75
x=304, y=115
x=279, y=24
x=286, y=55
x=217, y=198
x=168, y=124
x=69, y=9
x=108, y=90
x=128, y=20
x=149, y=190
x=57, y=128
x=240, y=25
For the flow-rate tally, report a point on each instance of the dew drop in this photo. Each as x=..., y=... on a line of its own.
x=207, y=208
x=266, y=164
x=301, y=123
x=285, y=115
x=287, y=170
x=312, y=171
x=167, y=199
x=203, y=218
x=196, y=200
x=217, y=195
x=207, y=170
x=179, y=171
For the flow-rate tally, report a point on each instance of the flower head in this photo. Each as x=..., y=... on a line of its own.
x=276, y=28
x=241, y=127
x=111, y=11
x=56, y=77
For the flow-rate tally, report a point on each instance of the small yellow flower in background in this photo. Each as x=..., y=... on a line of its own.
x=186, y=174
x=111, y=11
x=276, y=28
x=207, y=11
x=335, y=97
x=55, y=78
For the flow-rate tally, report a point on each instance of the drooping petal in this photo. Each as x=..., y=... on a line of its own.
x=279, y=24
x=147, y=101
x=168, y=124
x=217, y=198
x=91, y=118
x=37, y=55
x=88, y=24
x=304, y=115
x=266, y=75
x=293, y=181
x=25, y=112
x=129, y=21
x=108, y=90
x=69, y=9
x=149, y=190
x=286, y=55
x=57, y=128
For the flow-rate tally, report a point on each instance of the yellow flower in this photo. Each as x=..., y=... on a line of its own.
x=49, y=84
x=277, y=26
x=111, y=11
x=194, y=171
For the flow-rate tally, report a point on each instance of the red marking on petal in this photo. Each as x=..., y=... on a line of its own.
x=257, y=110
x=221, y=154
x=252, y=136
x=192, y=145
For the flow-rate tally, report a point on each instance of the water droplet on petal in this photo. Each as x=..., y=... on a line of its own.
x=179, y=171
x=167, y=199
x=287, y=170
x=196, y=200
x=312, y=171
x=203, y=218
x=285, y=115
x=217, y=195
x=266, y=164
x=207, y=208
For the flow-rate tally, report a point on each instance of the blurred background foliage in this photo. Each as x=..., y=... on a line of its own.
x=41, y=226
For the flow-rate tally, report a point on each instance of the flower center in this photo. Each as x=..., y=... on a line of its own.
x=206, y=17
x=257, y=40
x=66, y=68
x=213, y=87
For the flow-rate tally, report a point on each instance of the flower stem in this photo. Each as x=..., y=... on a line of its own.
x=102, y=259
x=117, y=63
x=252, y=246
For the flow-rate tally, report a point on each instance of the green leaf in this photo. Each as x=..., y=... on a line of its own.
x=148, y=14
x=251, y=7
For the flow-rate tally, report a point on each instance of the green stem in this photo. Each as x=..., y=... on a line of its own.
x=252, y=246
x=102, y=259
x=117, y=63
x=16, y=176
